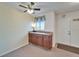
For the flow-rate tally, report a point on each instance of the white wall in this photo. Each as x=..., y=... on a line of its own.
x=63, y=26
x=14, y=27
x=50, y=24
x=50, y=21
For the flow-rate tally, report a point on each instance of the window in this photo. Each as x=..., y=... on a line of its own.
x=40, y=23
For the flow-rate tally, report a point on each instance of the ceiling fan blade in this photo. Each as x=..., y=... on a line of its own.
x=32, y=3
x=22, y=6
x=25, y=11
x=38, y=9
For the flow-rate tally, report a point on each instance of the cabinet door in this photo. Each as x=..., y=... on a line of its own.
x=39, y=39
x=34, y=39
x=47, y=41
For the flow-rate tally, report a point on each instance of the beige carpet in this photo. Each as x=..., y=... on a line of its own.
x=36, y=51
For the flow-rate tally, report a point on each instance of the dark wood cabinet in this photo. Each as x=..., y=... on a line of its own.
x=43, y=39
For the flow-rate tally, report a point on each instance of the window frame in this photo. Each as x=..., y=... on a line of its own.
x=42, y=18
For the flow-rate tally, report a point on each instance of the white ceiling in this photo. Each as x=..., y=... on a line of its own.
x=57, y=7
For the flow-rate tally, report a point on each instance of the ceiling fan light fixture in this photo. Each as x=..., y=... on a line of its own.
x=30, y=11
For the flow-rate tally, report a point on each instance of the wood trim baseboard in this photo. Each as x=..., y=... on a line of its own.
x=68, y=48
x=1, y=55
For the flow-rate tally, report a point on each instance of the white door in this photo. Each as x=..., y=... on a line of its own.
x=63, y=29
x=75, y=32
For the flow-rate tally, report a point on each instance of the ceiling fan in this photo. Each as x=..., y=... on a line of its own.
x=29, y=8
